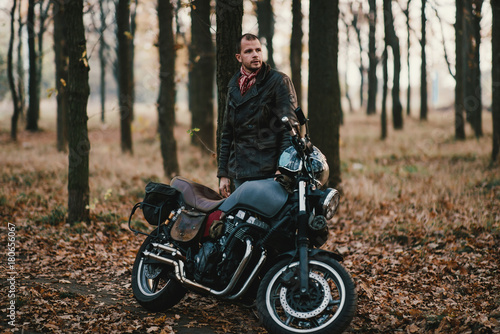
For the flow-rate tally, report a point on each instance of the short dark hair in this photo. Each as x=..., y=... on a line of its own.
x=248, y=37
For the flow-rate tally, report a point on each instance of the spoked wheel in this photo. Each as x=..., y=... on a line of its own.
x=152, y=283
x=328, y=306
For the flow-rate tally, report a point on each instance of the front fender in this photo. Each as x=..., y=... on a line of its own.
x=312, y=252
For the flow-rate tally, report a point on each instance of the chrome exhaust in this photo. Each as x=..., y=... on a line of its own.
x=178, y=262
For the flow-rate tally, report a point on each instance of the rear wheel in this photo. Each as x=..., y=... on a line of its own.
x=328, y=306
x=153, y=284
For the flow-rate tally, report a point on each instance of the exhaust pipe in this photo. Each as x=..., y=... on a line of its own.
x=178, y=261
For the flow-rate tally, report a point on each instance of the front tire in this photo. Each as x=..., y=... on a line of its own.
x=153, y=284
x=328, y=306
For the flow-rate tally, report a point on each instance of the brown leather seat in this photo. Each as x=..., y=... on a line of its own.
x=197, y=195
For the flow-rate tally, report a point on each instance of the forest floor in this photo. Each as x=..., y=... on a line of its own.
x=418, y=225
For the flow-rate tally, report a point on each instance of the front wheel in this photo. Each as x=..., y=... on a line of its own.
x=328, y=306
x=153, y=284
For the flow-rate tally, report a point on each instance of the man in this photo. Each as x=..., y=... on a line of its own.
x=253, y=136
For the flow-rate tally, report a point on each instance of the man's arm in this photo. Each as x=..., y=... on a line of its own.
x=286, y=103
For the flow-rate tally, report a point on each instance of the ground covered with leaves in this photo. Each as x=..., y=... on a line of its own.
x=419, y=227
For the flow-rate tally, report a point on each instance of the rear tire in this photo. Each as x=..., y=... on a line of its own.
x=327, y=308
x=153, y=284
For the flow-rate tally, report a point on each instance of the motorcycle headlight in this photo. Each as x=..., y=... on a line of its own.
x=329, y=202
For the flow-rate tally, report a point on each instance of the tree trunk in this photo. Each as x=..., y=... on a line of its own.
x=229, y=17
x=346, y=64
x=10, y=74
x=472, y=90
x=372, y=55
x=324, y=91
x=20, y=64
x=459, y=72
x=473, y=100
x=423, y=67
x=166, y=98
x=265, y=17
x=478, y=122
x=34, y=100
x=61, y=74
x=133, y=28
x=296, y=49
x=125, y=97
x=408, y=44
x=392, y=40
x=495, y=109
x=356, y=25
x=43, y=16
x=102, y=60
x=78, y=91
x=201, y=77
x=383, y=115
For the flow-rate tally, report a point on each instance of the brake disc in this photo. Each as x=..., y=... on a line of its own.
x=317, y=306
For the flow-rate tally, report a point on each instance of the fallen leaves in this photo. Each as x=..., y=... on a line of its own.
x=423, y=249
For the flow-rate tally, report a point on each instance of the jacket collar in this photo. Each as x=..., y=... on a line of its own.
x=253, y=91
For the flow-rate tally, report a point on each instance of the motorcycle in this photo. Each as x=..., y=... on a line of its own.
x=261, y=244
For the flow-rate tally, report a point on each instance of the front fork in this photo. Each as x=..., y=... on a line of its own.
x=303, y=241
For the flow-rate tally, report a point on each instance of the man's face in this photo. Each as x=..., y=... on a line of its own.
x=250, y=55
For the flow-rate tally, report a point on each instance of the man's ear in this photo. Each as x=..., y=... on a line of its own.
x=238, y=57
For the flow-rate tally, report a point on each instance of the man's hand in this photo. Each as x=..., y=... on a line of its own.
x=225, y=186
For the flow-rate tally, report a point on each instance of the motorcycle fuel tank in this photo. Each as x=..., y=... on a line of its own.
x=264, y=197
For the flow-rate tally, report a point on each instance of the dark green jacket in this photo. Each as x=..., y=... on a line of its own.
x=253, y=136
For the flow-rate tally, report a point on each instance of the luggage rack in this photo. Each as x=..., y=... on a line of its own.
x=157, y=211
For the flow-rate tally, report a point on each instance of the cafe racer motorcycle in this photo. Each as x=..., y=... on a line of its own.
x=261, y=244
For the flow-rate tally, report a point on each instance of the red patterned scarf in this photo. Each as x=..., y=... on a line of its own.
x=246, y=80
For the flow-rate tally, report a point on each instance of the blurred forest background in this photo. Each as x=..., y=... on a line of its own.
x=402, y=97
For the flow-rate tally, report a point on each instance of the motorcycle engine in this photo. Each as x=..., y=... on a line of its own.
x=217, y=260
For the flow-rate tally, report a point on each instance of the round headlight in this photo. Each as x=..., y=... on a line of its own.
x=330, y=202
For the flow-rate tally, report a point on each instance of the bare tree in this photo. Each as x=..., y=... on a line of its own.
x=10, y=74
x=296, y=49
x=103, y=46
x=423, y=67
x=44, y=19
x=408, y=45
x=78, y=90
x=324, y=91
x=495, y=41
x=125, y=83
x=383, y=114
x=229, y=15
x=459, y=72
x=372, y=55
x=61, y=73
x=265, y=17
x=20, y=63
x=392, y=40
x=166, y=97
x=201, y=76
x=34, y=100
x=133, y=28
x=473, y=100
x=357, y=15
